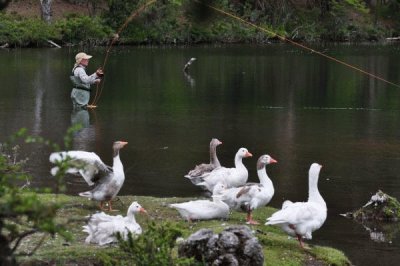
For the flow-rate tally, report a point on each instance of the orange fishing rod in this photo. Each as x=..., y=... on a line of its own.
x=298, y=44
x=129, y=19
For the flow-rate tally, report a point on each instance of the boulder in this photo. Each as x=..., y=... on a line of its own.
x=235, y=245
x=381, y=207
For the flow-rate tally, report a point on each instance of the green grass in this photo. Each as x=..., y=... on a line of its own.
x=278, y=248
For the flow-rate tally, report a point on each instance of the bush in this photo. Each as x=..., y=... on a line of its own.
x=83, y=29
x=18, y=31
x=154, y=247
x=22, y=213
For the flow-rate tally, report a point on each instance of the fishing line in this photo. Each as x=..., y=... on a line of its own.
x=298, y=44
x=127, y=21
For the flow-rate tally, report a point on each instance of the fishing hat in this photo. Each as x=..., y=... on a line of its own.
x=81, y=56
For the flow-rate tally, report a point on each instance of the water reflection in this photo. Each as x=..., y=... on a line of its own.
x=189, y=79
x=85, y=138
x=382, y=232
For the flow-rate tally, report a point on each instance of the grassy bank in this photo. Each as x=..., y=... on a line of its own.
x=278, y=248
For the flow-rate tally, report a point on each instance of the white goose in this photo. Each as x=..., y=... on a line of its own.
x=102, y=228
x=232, y=177
x=204, y=209
x=252, y=195
x=300, y=219
x=107, y=181
x=196, y=175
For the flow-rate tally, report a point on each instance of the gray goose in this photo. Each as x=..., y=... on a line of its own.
x=197, y=174
x=107, y=181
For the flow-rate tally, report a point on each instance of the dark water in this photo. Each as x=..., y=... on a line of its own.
x=294, y=105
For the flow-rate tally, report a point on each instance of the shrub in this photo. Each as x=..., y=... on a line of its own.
x=154, y=247
x=22, y=213
x=83, y=29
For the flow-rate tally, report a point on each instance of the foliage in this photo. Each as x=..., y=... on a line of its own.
x=83, y=29
x=22, y=213
x=18, y=31
x=154, y=246
x=185, y=21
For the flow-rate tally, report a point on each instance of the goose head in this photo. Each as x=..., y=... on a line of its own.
x=264, y=160
x=219, y=188
x=243, y=153
x=117, y=145
x=135, y=208
x=313, y=173
x=215, y=142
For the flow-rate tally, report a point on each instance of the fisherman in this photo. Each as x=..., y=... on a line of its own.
x=80, y=94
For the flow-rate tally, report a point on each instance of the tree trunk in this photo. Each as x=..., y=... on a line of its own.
x=46, y=10
x=92, y=6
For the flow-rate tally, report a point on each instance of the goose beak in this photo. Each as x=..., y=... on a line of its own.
x=220, y=142
x=142, y=210
x=123, y=143
x=248, y=154
x=272, y=160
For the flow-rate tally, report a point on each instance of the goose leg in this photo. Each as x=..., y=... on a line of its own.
x=101, y=206
x=250, y=218
x=110, y=207
x=300, y=241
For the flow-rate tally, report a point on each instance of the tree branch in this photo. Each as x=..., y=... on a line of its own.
x=22, y=236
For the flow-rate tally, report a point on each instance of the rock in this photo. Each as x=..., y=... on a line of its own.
x=196, y=244
x=235, y=245
x=381, y=207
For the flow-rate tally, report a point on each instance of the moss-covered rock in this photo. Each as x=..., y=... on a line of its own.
x=278, y=249
x=381, y=207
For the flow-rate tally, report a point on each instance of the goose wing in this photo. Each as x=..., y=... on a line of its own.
x=87, y=164
x=294, y=213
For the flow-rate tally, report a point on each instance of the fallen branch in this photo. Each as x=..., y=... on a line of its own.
x=53, y=43
x=4, y=46
x=393, y=38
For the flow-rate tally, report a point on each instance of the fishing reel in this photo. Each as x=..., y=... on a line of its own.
x=99, y=72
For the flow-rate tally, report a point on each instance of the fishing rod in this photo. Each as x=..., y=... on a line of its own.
x=116, y=37
x=282, y=38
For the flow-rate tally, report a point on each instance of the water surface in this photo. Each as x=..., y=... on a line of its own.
x=296, y=106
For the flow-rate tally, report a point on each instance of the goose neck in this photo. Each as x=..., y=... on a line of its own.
x=117, y=164
x=131, y=217
x=313, y=192
x=213, y=156
x=238, y=161
x=264, y=178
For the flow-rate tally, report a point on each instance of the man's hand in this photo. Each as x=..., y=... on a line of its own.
x=99, y=72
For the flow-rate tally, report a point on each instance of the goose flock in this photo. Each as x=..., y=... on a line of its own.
x=229, y=187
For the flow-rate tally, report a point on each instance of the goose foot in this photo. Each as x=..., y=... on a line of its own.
x=110, y=207
x=250, y=220
x=301, y=242
x=253, y=222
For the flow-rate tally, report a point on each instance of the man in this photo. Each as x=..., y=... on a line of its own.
x=80, y=94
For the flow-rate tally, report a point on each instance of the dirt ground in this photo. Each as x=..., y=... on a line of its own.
x=60, y=8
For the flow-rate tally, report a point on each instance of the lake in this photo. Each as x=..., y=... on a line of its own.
x=273, y=99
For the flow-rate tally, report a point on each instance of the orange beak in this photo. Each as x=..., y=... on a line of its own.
x=123, y=143
x=142, y=210
x=273, y=160
x=248, y=154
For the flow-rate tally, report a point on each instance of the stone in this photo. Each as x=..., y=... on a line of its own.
x=235, y=245
x=381, y=207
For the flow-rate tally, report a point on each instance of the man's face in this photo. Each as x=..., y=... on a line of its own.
x=85, y=62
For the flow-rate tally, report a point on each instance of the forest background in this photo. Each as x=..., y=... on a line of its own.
x=31, y=23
